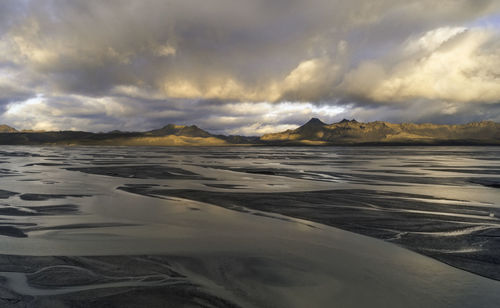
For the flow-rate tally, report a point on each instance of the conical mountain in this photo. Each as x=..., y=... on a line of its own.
x=314, y=122
x=312, y=130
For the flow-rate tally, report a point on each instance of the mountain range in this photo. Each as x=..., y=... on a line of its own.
x=351, y=132
x=314, y=132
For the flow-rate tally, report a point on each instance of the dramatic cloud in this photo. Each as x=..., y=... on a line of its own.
x=246, y=66
x=449, y=64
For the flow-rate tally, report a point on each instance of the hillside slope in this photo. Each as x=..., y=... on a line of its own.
x=7, y=129
x=353, y=132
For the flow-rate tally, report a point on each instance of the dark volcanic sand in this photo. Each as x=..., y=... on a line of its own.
x=115, y=281
x=211, y=227
x=465, y=237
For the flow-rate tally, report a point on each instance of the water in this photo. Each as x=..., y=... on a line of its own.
x=261, y=222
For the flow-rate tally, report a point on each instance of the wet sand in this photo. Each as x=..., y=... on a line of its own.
x=464, y=237
x=112, y=281
x=137, y=227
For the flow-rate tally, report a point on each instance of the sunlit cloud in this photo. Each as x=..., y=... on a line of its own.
x=456, y=65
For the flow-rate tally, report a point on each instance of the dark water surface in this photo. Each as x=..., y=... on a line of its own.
x=249, y=227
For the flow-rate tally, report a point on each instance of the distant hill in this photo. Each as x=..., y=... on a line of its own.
x=169, y=135
x=314, y=132
x=7, y=129
x=348, y=132
x=179, y=130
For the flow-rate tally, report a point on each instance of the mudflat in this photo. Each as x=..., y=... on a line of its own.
x=249, y=227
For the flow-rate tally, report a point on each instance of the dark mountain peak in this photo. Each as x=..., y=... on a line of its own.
x=7, y=129
x=314, y=122
x=348, y=121
x=311, y=128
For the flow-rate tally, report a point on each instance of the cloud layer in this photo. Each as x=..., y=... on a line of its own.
x=246, y=67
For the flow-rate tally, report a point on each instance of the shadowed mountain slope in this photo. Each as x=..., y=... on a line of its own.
x=179, y=130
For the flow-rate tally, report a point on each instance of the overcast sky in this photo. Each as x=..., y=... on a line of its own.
x=246, y=66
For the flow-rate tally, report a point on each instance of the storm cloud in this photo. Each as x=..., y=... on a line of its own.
x=246, y=66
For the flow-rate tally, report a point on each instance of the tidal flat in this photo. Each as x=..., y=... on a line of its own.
x=249, y=226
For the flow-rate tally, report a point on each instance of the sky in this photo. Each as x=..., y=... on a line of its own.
x=246, y=66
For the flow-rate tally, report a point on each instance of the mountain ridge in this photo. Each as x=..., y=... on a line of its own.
x=7, y=129
x=313, y=132
x=380, y=132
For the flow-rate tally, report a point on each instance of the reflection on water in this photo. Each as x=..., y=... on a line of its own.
x=258, y=221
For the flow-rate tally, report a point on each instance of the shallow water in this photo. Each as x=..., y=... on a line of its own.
x=259, y=223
